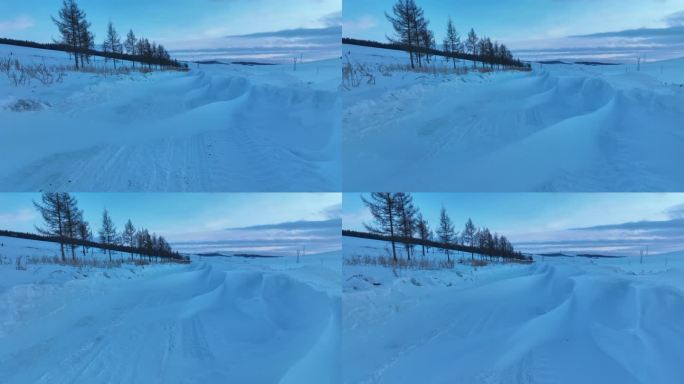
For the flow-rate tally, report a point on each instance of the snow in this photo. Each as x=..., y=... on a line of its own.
x=559, y=320
x=219, y=127
x=563, y=127
x=218, y=319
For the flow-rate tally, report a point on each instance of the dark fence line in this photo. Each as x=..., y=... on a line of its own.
x=433, y=244
x=92, y=52
x=434, y=52
x=173, y=256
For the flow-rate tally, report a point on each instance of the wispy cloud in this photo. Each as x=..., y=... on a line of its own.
x=675, y=19
x=17, y=24
x=275, y=46
x=333, y=211
x=358, y=25
x=628, y=238
x=282, y=238
x=301, y=225
x=646, y=226
x=622, y=45
x=311, y=34
x=676, y=212
x=11, y=219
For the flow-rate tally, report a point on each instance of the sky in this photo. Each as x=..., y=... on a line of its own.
x=269, y=223
x=265, y=29
x=615, y=224
x=607, y=30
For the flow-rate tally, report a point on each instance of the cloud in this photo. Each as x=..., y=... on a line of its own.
x=360, y=24
x=645, y=225
x=675, y=19
x=301, y=225
x=280, y=238
x=627, y=238
x=332, y=19
x=676, y=212
x=333, y=212
x=617, y=46
x=17, y=24
x=312, y=44
x=644, y=33
x=300, y=33
x=10, y=219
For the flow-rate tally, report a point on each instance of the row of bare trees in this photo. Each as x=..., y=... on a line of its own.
x=64, y=221
x=397, y=217
x=412, y=31
x=75, y=33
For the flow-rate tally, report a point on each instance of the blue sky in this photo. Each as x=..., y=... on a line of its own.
x=619, y=223
x=198, y=25
x=272, y=223
x=537, y=28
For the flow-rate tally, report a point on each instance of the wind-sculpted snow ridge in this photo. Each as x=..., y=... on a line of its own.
x=561, y=320
x=214, y=128
x=217, y=320
x=558, y=128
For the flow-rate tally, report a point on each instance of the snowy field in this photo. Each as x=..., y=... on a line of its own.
x=217, y=320
x=559, y=320
x=218, y=127
x=560, y=127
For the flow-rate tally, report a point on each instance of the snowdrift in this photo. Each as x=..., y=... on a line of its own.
x=216, y=320
x=217, y=127
x=561, y=320
x=558, y=128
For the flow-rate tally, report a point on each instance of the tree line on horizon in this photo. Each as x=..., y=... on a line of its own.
x=64, y=221
x=396, y=217
x=75, y=31
x=412, y=32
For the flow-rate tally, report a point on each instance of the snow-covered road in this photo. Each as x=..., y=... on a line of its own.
x=217, y=127
x=558, y=321
x=217, y=320
x=558, y=128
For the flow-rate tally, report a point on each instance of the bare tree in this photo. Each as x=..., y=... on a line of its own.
x=72, y=219
x=424, y=231
x=108, y=232
x=112, y=42
x=406, y=216
x=130, y=44
x=74, y=30
x=128, y=235
x=468, y=235
x=452, y=42
x=445, y=231
x=85, y=234
x=383, y=206
x=51, y=208
x=406, y=20
x=471, y=44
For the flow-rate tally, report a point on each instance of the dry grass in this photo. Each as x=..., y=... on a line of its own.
x=355, y=74
x=399, y=263
x=387, y=70
x=20, y=264
x=477, y=263
x=24, y=75
x=20, y=74
x=80, y=262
